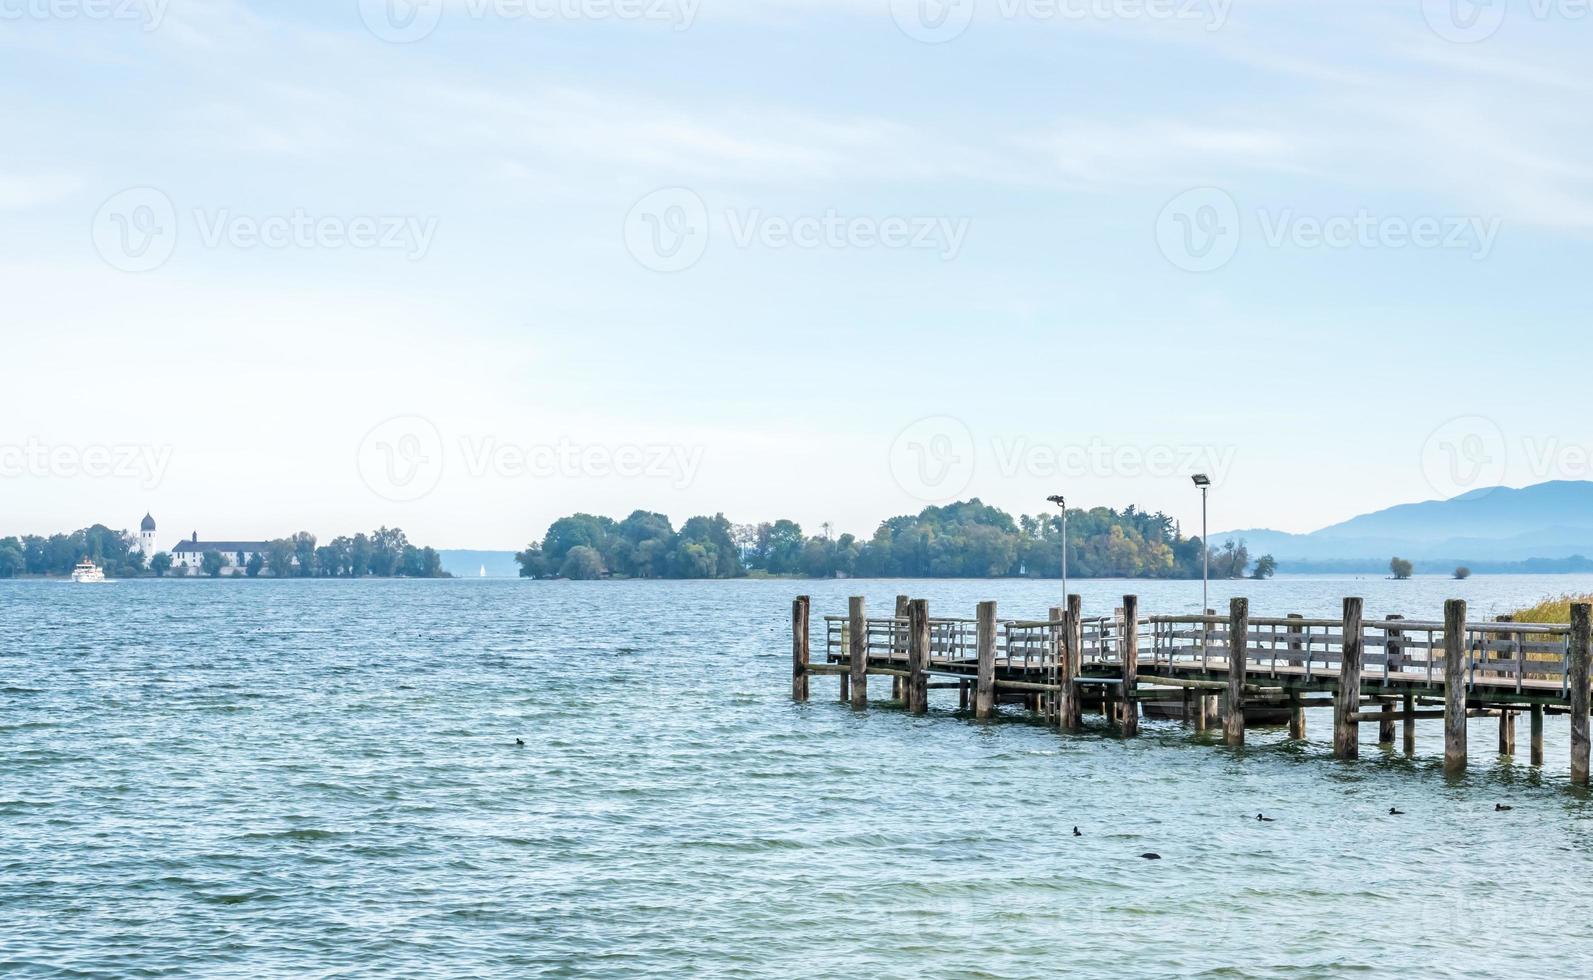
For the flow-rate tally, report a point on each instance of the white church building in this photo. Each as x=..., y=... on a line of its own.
x=189, y=554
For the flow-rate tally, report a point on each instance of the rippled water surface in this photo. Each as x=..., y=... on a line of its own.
x=286, y=778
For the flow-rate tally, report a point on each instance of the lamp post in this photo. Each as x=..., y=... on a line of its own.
x=1061, y=502
x=1204, y=483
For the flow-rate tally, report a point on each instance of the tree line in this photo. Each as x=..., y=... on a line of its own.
x=384, y=553
x=968, y=539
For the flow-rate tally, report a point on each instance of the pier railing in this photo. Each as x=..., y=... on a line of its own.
x=1059, y=663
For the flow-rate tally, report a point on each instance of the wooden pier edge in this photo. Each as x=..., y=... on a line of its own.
x=985, y=692
x=1454, y=686
x=857, y=651
x=1233, y=723
x=1129, y=720
x=801, y=609
x=1346, y=731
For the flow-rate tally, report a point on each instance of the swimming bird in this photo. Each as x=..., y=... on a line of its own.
x=1263, y=819
x=1076, y=832
x=1394, y=811
x=1151, y=856
x=520, y=742
x=1500, y=808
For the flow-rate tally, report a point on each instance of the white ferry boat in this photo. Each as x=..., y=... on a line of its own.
x=87, y=571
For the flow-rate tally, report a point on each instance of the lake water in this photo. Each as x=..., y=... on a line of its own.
x=230, y=778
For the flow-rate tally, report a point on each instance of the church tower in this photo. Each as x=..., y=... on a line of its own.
x=146, y=537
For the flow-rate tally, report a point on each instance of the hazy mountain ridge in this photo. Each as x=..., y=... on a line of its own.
x=1549, y=520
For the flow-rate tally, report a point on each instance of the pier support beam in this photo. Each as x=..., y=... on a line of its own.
x=1393, y=658
x=1537, y=734
x=1296, y=659
x=918, y=656
x=899, y=646
x=799, y=647
x=1130, y=708
x=1058, y=652
x=1346, y=732
x=985, y=696
x=1455, y=686
x=857, y=651
x=1233, y=727
x=1385, y=725
x=1581, y=651
x=1073, y=643
x=1408, y=726
x=1507, y=733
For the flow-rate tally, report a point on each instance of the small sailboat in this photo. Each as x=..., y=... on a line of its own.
x=87, y=571
x=483, y=572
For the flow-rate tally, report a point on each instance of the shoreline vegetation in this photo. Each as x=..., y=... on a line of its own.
x=967, y=539
x=384, y=553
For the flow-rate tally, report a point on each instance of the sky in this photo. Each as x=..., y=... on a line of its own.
x=466, y=266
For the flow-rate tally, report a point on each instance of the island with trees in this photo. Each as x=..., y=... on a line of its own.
x=967, y=539
x=383, y=553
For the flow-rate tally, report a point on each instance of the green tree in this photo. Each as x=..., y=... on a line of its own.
x=1462, y=573
x=211, y=563
x=13, y=558
x=1401, y=568
x=1266, y=567
x=279, y=557
x=304, y=551
x=160, y=564
x=582, y=563
x=255, y=565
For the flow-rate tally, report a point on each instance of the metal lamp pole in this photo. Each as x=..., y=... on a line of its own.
x=1061, y=502
x=1204, y=483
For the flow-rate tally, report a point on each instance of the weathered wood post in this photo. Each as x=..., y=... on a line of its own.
x=1233, y=727
x=1210, y=704
x=1507, y=718
x=1073, y=640
x=799, y=647
x=1058, y=652
x=1130, y=709
x=1537, y=734
x=857, y=651
x=918, y=656
x=1455, y=686
x=1296, y=659
x=985, y=696
x=899, y=646
x=1581, y=652
x=1391, y=655
x=1407, y=705
x=1346, y=731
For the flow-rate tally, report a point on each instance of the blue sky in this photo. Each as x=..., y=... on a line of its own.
x=318, y=265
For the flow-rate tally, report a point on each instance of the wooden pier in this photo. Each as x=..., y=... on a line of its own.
x=1390, y=671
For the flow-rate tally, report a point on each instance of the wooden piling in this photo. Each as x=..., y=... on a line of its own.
x=985, y=695
x=1130, y=709
x=1581, y=651
x=1537, y=734
x=1408, y=725
x=1233, y=729
x=799, y=647
x=918, y=656
x=857, y=651
x=899, y=684
x=1507, y=733
x=1073, y=639
x=1392, y=658
x=1455, y=686
x=1296, y=659
x=1058, y=651
x=1346, y=732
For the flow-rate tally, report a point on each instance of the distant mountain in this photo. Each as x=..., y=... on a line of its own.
x=468, y=564
x=1502, y=524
